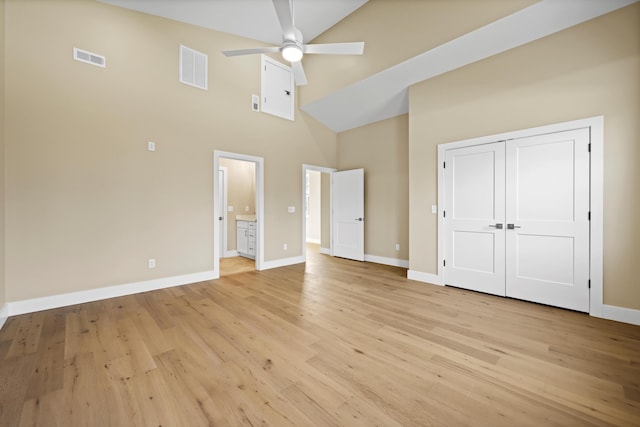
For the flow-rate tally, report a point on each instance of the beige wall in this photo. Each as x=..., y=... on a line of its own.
x=241, y=194
x=382, y=150
x=395, y=31
x=325, y=206
x=86, y=203
x=589, y=70
x=2, y=167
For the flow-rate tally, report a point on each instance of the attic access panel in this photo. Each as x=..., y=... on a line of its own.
x=277, y=88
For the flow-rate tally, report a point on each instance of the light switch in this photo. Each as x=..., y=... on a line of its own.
x=291, y=209
x=229, y=208
x=151, y=146
x=434, y=208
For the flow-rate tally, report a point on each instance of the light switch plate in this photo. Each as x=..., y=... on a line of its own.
x=434, y=208
x=255, y=103
x=151, y=146
x=291, y=209
x=229, y=208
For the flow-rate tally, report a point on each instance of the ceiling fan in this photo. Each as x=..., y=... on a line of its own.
x=293, y=47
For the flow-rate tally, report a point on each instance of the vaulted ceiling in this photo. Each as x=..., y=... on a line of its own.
x=438, y=40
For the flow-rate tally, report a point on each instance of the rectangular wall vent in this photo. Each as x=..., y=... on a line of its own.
x=89, y=58
x=193, y=67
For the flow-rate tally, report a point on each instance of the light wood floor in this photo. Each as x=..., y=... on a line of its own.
x=235, y=265
x=334, y=342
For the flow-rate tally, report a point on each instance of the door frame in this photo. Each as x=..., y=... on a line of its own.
x=596, y=128
x=320, y=169
x=259, y=162
x=224, y=243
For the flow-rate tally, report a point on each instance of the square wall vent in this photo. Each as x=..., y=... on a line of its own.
x=89, y=58
x=193, y=67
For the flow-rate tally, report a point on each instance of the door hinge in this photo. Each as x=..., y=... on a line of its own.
x=589, y=215
x=589, y=147
x=444, y=214
x=444, y=165
x=589, y=281
x=444, y=262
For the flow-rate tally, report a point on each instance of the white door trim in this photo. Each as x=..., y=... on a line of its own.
x=259, y=161
x=596, y=126
x=223, y=246
x=330, y=171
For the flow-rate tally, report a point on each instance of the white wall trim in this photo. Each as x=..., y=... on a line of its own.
x=314, y=241
x=90, y=295
x=283, y=262
x=620, y=314
x=596, y=126
x=325, y=251
x=303, y=205
x=419, y=276
x=387, y=261
x=4, y=314
x=230, y=254
x=259, y=161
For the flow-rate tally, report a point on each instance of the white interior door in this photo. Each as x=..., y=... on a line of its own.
x=347, y=193
x=547, y=197
x=474, y=218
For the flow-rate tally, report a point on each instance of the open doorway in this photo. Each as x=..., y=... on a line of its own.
x=316, y=206
x=238, y=213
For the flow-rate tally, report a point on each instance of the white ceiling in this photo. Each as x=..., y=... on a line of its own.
x=385, y=94
x=254, y=19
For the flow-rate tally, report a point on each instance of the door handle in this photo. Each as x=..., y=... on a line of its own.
x=512, y=226
x=496, y=226
x=359, y=219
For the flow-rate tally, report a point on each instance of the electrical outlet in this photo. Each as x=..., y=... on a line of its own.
x=151, y=146
x=291, y=209
x=246, y=208
x=229, y=208
x=397, y=246
x=284, y=246
x=152, y=263
x=255, y=103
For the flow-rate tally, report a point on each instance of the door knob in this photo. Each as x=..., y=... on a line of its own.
x=359, y=219
x=497, y=226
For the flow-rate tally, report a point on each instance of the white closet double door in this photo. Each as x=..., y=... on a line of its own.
x=517, y=218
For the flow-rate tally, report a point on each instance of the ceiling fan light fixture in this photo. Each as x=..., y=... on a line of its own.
x=292, y=52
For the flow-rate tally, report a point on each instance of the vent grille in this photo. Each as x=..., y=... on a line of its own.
x=193, y=67
x=89, y=58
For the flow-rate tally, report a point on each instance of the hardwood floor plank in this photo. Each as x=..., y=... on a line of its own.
x=331, y=342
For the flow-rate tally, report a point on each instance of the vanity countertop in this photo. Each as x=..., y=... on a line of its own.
x=246, y=217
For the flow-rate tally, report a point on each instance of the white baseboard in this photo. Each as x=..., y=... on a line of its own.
x=621, y=314
x=387, y=261
x=230, y=254
x=267, y=265
x=314, y=241
x=71, y=298
x=419, y=276
x=4, y=314
x=325, y=251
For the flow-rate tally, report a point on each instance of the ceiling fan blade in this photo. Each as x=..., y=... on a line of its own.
x=298, y=73
x=239, y=52
x=283, y=10
x=355, y=48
